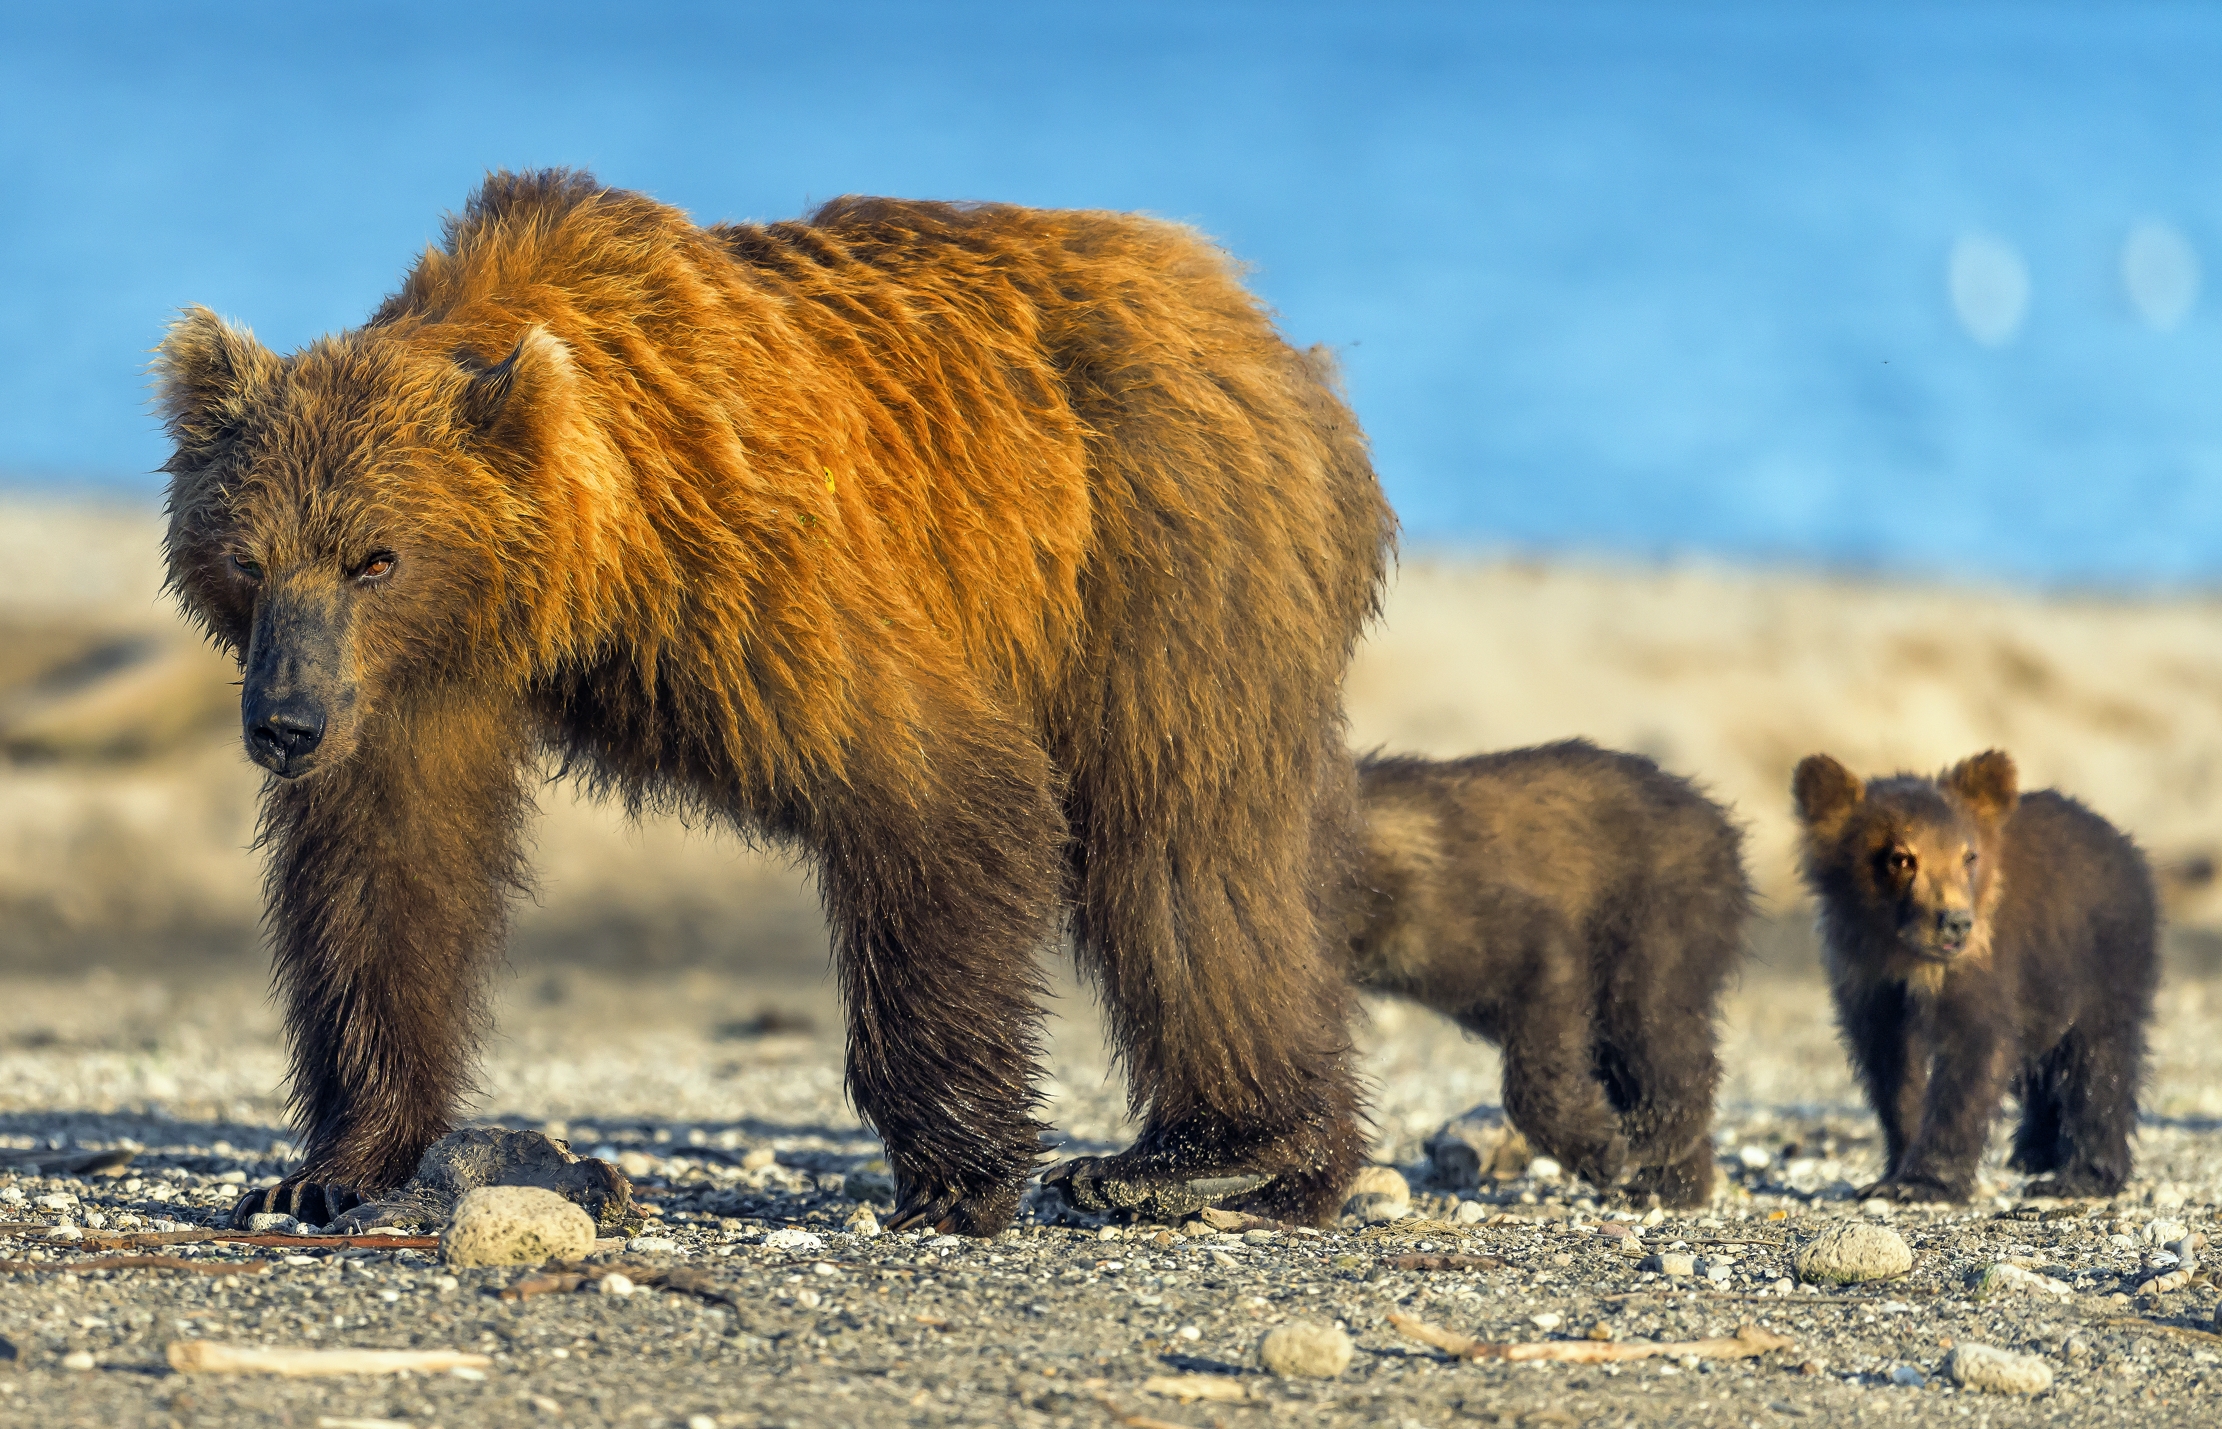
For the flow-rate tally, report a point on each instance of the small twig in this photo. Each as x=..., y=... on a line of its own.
x=138, y=1262
x=1190, y=1387
x=1748, y=1341
x=2184, y=1331
x=533, y=1285
x=109, y=1240
x=1134, y=1421
x=211, y=1357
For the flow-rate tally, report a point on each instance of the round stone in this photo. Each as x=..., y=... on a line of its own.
x=515, y=1225
x=1306, y=1351
x=1997, y=1371
x=1851, y=1252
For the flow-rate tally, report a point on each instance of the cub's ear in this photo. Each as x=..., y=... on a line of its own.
x=1826, y=791
x=507, y=399
x=1988, y=784
x=206, y=373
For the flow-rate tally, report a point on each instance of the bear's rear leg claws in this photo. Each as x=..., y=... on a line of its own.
x=950, y=1210
x=1102, y=1183
x=313, y=1203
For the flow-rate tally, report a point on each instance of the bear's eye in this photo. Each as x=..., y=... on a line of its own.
x=1900, y=861
x=378, y=567
x=1970, y=859
x=246, y=567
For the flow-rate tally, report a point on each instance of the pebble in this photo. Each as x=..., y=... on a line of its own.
x=1908, y=1377
x=1754, y=1158
x=648, y=1244
x=760, y=1159
x=1851, y=1252
x=1379, y=1193
x=1306, y=1350
x=792, y=1238
x=515, y=1225
x=2004, y=1278
x=1998, y=1371
x=942, y=1242
x=273, y=1223
x=862, y=1222
x=78, y=1359
x=1670, y=1262
x=1547, y=1321
x=1544, y=1168
x=1716, y=1268
x=1470, y=1213
x=616, y=1283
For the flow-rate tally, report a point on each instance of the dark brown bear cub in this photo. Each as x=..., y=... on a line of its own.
x=1979, y=940
x=1581, y=909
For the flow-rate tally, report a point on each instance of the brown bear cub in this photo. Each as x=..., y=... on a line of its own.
x=1979, y=940
x=1581, y=909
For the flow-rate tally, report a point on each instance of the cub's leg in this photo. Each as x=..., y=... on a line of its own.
x=1967, y=1081
x=1883, y=1032
x=2092, y=1106
x=388, y=877
x=1544, y=1025
x=1227, y=1004
x=940, y=899
x=1657, y=1058
x=2038, y=1143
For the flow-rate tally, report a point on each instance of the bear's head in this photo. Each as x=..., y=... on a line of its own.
x=1907, y=868
x=350, y=521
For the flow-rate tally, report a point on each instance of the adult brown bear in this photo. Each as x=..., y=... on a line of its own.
x=1006, y=561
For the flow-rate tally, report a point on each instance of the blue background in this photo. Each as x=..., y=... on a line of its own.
x=1615, y=279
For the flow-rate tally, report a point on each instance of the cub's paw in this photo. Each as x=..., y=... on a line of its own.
x=1138, y=1187
x=2074, y=1185
x=312, y=1203
x=1915, y=1190
x=950, y=1210
x=1679, y=1187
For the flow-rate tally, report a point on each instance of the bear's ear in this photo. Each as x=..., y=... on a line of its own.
x=1988, y=784
x=206, y=372
x=503, y=400
x=1826, y=791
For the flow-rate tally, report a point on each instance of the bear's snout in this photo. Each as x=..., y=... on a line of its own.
x=285, y=734
x=1953, y=927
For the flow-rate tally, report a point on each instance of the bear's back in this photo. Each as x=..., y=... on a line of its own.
x=2079, y=913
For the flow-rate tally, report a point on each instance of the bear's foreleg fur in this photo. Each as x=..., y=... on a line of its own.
x=389, y=879
x=1968, y=1071
x=1883, y=1034
x=2079, y=1109
x=941, y=895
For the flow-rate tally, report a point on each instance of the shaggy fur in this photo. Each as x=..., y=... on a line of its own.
x=1582, y=910
x=1007, y=562
x=1979, y=940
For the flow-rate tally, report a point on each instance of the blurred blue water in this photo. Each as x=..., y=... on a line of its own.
x=1612, y=278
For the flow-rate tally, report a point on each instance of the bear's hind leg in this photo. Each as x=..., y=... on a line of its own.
x=1228, y=1011
x=2094, y=1079
x=1550, y=1090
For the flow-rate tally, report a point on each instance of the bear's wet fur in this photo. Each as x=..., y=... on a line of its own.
x=1004, y=562
x=1980, y=941
x=1581, y=909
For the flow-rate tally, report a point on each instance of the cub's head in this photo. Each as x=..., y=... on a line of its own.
x=346, y=520
x=1906, y=868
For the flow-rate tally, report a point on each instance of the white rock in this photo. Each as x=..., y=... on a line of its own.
x=650, y=1244
x=1543, y=1168
x=1306, y=1350
x=1379, y=1193
x=1755, y=1158
x=760, y=1159
x=56, y=1201
x=78, y=1360
x=2004, y=1278
x=946, y=1242
x=515, y=1225
x=1906, y=1376
x=792, y=1238
x=1547, y=1321
x=1470, y=1213
x=1851, y=1252
x=13, y=1195
x=65, y=1231
x=862, y=1222
x=616, y=1283
x=273, y=1223
x=2162, y=1232
x=1998, y=1371
x=1670, y=1262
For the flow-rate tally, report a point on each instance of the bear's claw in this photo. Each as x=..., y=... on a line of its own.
x=312, y=1203
x=1099, y=1183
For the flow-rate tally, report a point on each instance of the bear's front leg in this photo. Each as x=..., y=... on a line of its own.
x=940, y=903
x=1967, y=1057
x=388, y=877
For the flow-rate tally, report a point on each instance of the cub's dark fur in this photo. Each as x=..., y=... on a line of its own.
x=1581, y=909
x=1979, y=939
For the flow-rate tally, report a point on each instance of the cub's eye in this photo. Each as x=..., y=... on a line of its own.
x=1970, y=859
x=378, y=567
x=246, y=567
x=1900, y=861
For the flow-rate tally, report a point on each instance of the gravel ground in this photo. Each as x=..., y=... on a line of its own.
x=733, y=1126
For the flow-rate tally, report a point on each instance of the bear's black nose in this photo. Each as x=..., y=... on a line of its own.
x=1955, y=924
x=286, y=733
